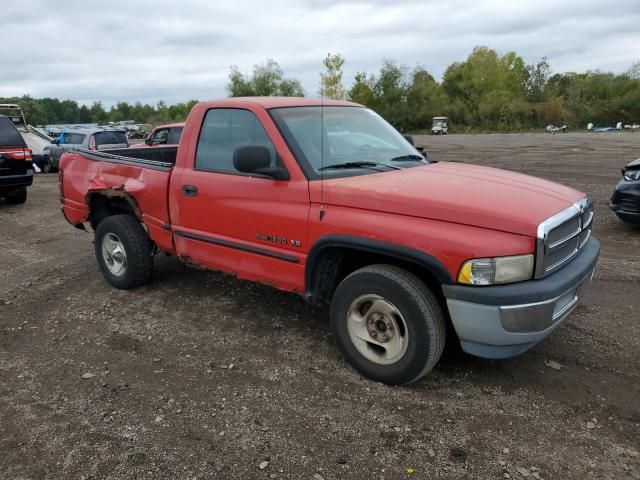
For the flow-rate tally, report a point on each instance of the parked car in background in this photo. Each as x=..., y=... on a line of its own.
x=91, y=139
x=552, y=129
x=600, y=128
x=165, y=135
x=625, y=201
x=327, y=200
x=439, y=126
x=16, y=168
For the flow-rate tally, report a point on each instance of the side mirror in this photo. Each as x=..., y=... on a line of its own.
x=257, y=159
x=148, y=141
x=55, y=142
x=408, y=138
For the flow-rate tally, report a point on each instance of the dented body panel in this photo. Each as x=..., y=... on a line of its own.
x=144, y=188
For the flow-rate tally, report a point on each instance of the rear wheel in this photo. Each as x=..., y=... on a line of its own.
x=388, y=324
x=123, y=250
x=19, y=195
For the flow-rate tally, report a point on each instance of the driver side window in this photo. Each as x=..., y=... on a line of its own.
x=223, y=131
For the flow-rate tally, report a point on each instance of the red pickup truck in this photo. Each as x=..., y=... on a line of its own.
x=327, y=200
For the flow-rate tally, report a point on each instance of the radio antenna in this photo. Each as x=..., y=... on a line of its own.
x=321, y=155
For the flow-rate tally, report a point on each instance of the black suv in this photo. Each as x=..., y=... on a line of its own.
x=625, y=201
x=16, y=168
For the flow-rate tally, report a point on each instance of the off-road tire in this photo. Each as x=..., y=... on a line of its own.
x=420, y=309
x=137, y=247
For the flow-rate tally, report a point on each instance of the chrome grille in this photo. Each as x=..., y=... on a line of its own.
x=564, y=231
x=561, y=237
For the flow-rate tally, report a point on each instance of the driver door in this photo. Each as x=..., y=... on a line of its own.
x=253, y=226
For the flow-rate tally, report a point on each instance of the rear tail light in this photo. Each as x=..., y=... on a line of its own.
x=28, y=154
x=92, y=142
x=24, y=154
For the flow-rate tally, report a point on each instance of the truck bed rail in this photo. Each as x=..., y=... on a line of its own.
x=159, y=158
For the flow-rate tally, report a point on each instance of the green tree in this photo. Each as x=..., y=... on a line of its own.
x=634, y=71
x=538, y=75
x=84, y=115
x=266, y=80
x=331, y=79
x=98, y=113
x=362, y=90
x=425, y=99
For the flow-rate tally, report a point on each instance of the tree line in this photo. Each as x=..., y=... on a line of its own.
x=51, y=111
x=485, y=92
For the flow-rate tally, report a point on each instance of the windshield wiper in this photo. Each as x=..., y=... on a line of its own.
x=408, y=158
x=359, y=165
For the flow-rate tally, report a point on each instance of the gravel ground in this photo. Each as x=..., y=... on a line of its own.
x=201, y=376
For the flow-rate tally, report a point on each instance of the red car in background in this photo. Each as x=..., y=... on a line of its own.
x=165, y=135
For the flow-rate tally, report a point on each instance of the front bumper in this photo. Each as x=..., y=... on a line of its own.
x=506, y=320
x=625, y=201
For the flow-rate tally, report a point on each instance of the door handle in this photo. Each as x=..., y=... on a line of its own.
x=189, y=190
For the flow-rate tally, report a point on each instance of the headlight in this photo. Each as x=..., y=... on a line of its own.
x=490, y=271
x=631, y=175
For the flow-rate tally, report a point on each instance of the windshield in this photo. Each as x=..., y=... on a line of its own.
x=345, y=135
x=439, y=121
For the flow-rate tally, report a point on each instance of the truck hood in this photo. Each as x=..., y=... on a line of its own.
x=454, y=192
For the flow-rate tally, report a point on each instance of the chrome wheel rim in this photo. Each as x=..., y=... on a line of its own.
x=113, y=254
x=377, y=329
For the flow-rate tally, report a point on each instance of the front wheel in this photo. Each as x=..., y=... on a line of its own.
x=388, y=324
x=123, y=250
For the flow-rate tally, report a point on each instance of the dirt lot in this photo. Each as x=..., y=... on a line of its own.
x=199, y=375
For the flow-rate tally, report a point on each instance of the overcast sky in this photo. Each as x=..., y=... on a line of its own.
x=176, y=50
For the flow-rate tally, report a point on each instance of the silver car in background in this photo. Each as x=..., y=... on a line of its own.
x=89, y=138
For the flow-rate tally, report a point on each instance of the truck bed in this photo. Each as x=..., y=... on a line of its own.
x=159, y=158
x=139, y=175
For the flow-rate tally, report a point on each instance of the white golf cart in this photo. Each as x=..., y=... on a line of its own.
x=439, y=126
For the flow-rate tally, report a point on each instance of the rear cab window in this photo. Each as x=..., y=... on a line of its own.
x=174, y=136
x=9, y=135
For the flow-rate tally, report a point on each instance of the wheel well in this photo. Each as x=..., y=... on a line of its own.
x=107, y=203
x=333, y=264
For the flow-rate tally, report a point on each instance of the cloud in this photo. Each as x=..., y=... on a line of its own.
x=147, y=51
